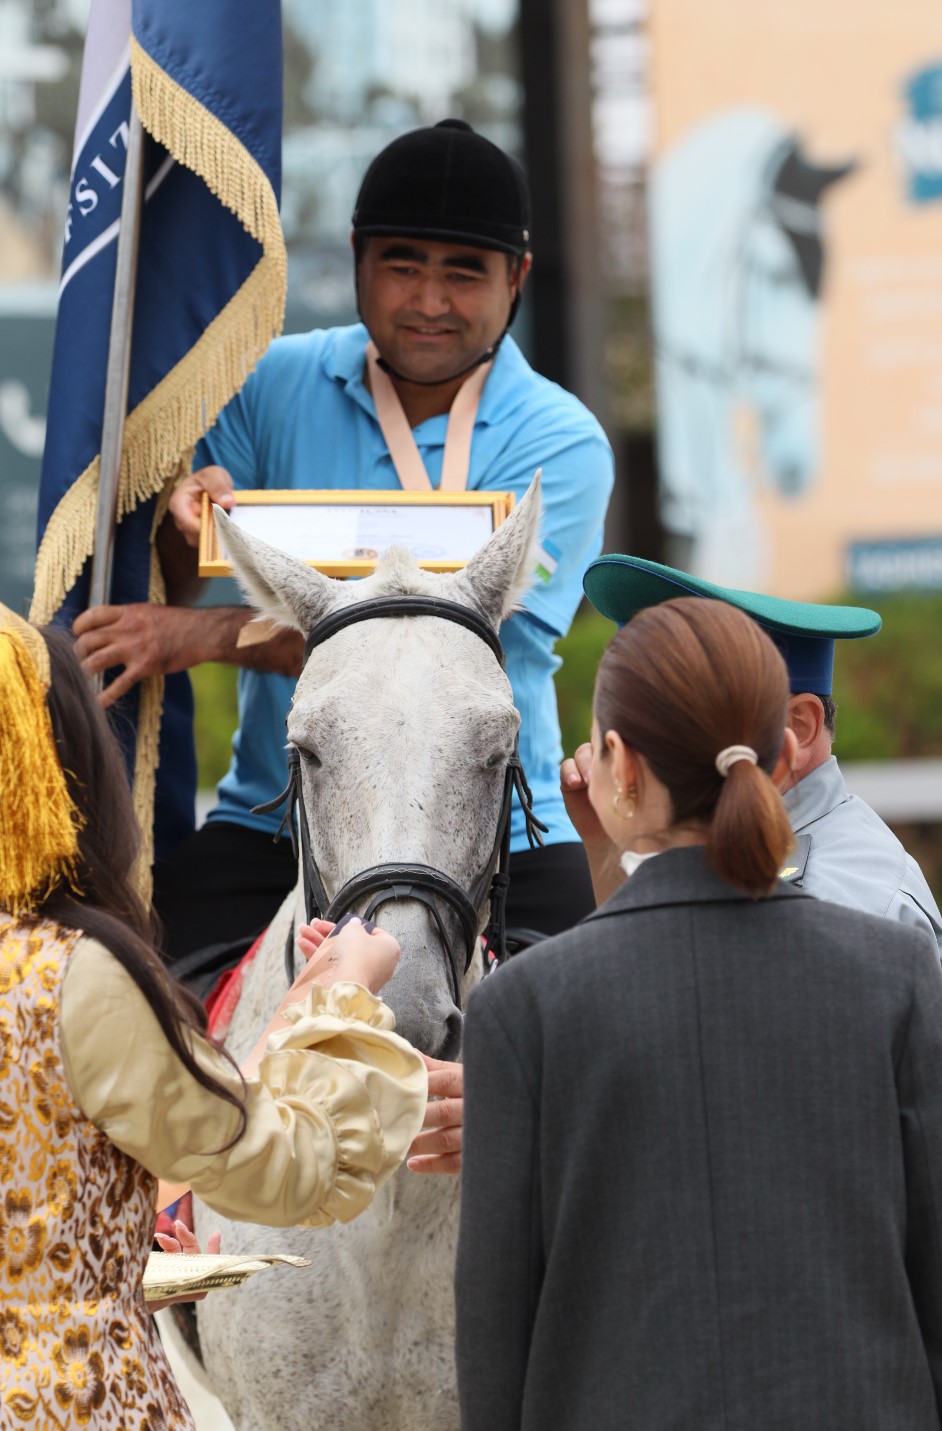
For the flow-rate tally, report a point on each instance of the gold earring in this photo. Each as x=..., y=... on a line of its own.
x=632, y=795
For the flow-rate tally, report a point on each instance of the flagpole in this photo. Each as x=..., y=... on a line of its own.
x=119, y=364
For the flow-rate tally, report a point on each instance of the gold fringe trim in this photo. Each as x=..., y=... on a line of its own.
x=146, y=759
x=150, y=710
x=39, y=822
x=200, y=141
x=34, y=643
x=184, y=405
x=167, y=422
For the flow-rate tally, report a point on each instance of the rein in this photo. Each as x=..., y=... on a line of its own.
x=411, y=880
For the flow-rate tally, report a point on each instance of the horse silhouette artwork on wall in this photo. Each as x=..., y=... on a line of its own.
x=739, y=260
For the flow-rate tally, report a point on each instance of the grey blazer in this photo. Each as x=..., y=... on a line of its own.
x=702, y=1172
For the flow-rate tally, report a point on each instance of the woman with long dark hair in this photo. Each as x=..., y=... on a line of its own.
x=108, y=1082
x=702, y=1168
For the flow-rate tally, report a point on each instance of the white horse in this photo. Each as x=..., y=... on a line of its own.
x=405, y=727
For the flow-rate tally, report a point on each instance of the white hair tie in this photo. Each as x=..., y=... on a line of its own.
x=727, y=758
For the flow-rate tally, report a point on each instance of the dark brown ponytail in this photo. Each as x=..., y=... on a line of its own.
x=681, y=682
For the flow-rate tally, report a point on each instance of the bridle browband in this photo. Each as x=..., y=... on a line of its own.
x=411, y=880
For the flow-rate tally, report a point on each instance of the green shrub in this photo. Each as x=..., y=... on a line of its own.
x=888, y=688
x=581, y=651
x=214, y=692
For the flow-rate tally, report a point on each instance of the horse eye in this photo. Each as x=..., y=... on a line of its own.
x=311, y=760
x=498, y=758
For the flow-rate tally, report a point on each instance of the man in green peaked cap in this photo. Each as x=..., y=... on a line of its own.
x=843, y=851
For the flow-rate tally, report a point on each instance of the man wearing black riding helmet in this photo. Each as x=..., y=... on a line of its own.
x=429, y=389
x=441, y=202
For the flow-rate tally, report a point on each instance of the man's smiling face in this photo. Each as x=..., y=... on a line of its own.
x=433, y=308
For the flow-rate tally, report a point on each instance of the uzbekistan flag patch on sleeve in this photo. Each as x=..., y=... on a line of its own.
x=547, y=561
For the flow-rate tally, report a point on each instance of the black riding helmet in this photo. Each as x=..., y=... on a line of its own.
x=447, y=183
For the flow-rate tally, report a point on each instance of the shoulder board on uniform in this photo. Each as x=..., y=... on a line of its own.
x=793, y=870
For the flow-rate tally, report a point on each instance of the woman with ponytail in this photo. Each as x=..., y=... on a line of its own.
x=690, y=722
x=702, y=1163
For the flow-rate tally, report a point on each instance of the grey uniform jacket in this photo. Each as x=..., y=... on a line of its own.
x=848, y=855
x=702, y=1170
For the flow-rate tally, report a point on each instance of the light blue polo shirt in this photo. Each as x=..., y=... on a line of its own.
x=304, y=419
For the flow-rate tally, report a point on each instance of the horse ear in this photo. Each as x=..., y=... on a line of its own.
x=499, y=574
x=283, y=588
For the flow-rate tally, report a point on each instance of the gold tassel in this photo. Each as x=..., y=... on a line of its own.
x=39, y=822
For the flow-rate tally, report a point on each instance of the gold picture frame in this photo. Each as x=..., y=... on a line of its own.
x=346, y=562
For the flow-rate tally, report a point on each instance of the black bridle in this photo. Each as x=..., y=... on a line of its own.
x=412, y=880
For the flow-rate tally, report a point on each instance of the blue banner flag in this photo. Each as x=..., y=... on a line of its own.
x=211, y=277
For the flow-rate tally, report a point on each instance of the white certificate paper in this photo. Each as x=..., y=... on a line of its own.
x=336, y=532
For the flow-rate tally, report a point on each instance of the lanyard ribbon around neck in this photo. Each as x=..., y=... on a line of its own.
x=403, y=449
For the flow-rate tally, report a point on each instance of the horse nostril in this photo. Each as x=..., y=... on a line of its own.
x=451, y=1047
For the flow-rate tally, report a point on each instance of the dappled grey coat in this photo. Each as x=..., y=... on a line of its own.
x=703, y=1170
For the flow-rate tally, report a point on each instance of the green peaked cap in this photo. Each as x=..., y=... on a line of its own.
x=620, y=586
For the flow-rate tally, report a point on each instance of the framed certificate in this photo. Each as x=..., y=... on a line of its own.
x=344, y=533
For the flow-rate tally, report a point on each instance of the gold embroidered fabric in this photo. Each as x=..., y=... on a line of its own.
x=77, y=1346
x=94, y=1106
x=337, y=1100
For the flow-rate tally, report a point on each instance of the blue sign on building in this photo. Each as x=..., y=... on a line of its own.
x=895, y=566
x=920, y=135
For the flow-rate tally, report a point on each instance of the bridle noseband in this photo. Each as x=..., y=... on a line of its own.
x=411, y=880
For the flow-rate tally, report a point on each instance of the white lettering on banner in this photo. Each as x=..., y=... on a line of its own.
x=95, y=245
x=86, y=196
x=100, y=167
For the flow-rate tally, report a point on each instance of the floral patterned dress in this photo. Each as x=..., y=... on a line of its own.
x=77, y=1346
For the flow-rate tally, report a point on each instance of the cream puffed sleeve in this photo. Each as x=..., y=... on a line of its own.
x=337, y=1100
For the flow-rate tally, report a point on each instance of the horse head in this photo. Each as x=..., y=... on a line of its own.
x=404, y=726
x=738, y=232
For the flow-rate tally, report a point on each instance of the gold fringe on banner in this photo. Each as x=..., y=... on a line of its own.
x=168, y=421
x=176, y=413
x=147, y=746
